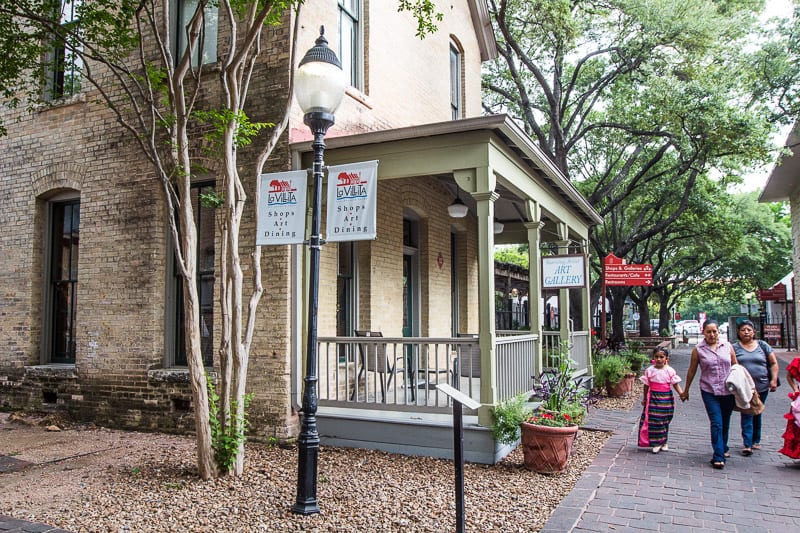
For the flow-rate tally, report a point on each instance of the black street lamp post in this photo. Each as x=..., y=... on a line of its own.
x=319, y=87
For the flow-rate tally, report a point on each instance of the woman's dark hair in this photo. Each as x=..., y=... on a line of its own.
x=710, y=322
x=745, y=322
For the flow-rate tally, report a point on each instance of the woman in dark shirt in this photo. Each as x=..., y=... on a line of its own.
x=759, y=360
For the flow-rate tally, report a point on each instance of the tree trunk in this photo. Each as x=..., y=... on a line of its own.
x=617, y=311
x=206, y=465
x=664, y=314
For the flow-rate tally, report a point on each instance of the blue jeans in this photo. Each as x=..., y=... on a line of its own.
x=719, y=409
x=751, y=425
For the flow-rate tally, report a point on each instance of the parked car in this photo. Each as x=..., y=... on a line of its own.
x=690, y=330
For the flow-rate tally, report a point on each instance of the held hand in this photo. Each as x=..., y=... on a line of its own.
x=684, y=396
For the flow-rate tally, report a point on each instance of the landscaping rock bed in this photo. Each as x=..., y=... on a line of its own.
x=93, y=479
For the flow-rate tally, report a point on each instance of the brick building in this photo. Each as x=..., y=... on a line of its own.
x=783, y=185
x=90, y=299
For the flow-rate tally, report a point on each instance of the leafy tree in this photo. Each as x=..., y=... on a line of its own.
x=516, y=255
x=122, y=50
x=638, y=102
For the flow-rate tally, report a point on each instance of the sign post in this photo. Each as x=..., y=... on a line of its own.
x=459, y=398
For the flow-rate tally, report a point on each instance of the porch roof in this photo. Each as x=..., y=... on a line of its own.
x=502, y=128
x=782, y=182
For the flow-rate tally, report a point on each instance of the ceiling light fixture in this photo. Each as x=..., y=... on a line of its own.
x=457, y=209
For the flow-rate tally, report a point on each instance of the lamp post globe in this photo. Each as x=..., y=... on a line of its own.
x=319, y=88
x=319, y=83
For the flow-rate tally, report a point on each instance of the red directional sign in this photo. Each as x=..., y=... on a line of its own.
x=617, y=273
x=776, y=293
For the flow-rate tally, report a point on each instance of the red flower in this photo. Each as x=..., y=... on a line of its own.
x=566, y=416
x=547, y=415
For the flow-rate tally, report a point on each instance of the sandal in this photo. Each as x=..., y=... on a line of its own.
x=756, y=446
x=719, y=465
x=727, y=454
x=747, y=452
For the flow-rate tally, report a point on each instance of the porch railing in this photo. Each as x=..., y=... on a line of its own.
x=401, y=373
x=579, y=347
x=516, y=364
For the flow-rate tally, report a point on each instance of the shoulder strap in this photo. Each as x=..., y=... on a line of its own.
x=766, y=348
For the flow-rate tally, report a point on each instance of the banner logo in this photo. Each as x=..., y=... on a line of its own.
x=352, y=202
x=282, y=208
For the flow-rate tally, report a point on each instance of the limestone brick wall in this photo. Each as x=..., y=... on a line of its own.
x=119, y=377
x=407, y=79
x=794, y=202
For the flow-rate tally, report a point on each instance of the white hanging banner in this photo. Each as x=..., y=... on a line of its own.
x=282, y=208
x=352, y=202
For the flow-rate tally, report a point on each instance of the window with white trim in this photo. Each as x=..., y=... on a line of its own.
x=351, y=47
x=455, y=82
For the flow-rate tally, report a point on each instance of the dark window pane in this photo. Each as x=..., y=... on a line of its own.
x=204, y=221
x=64, y=279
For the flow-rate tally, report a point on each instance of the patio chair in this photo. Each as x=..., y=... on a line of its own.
x=433, y=363
x=467, y=363
x=373, y=358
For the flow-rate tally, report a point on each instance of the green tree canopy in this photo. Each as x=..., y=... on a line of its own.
x=651, y=108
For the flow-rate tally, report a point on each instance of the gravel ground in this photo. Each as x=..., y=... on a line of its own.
x=94, y=479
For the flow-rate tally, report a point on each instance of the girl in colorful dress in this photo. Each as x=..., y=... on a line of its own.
x=791, y=437
x=658, y=402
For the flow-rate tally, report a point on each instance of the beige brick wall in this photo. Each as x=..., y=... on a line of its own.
x=122, y=274
x=120, y=322
x=794, y=202
x=408, y=79
x=381, y=263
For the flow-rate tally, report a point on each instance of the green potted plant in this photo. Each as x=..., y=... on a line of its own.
x=508, y=416
x=548, y=432
x=636, y=359
x=613, y=372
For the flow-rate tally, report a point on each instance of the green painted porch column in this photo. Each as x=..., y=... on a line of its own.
x=535, y=278
x=563, y=294
x=586, y=302
x=485, y=207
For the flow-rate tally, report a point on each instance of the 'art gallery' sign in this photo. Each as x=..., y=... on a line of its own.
x=282, y=208
x=352, y=202
x=563, y=271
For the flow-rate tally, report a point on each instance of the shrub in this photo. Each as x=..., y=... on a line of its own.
x=508, y=415
x=610, y=370
x=636, y=359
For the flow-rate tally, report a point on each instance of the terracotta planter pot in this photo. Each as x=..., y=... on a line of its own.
x=545, y=449
x=622, y=389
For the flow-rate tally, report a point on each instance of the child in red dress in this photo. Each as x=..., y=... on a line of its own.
x=791, y=437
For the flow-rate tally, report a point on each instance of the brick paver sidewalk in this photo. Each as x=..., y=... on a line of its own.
x=631, y=489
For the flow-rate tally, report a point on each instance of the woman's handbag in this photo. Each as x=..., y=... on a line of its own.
x=756, y=406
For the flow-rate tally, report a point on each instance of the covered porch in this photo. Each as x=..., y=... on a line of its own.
x=416, y=307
